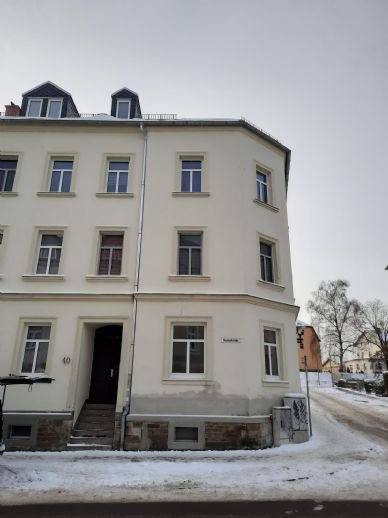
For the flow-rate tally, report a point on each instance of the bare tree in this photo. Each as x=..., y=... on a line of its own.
x=331, y=306
x=372, y=321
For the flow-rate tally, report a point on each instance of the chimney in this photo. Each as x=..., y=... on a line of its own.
x=12, y=110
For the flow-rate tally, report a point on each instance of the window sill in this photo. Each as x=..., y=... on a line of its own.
x=186, y=381
x=272, y=285
x=55, y=194
x=38, y=277
x=8, y=193
x=266, y=205
x=202, y=194
x=114, y=195
x=267, y=382
x=195, y=278
x=117, y=278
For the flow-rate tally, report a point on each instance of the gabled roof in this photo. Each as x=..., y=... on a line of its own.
x=125, y=91
x=44, y=84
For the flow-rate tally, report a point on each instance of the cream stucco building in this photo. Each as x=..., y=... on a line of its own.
x=145, y=266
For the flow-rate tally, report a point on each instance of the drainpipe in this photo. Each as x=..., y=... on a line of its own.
x=127, y=406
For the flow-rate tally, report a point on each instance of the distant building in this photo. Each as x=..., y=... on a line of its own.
x=308, y=347
x=330, y=366
x=366, y=358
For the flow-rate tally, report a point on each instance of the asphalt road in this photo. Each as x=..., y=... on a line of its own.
x=297, y=509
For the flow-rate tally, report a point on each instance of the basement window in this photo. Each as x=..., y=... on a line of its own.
x=185, y=433
x=19, y=432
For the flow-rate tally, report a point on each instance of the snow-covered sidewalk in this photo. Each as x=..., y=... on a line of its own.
x=337, y=463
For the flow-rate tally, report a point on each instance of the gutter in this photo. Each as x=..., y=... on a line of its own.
x=127, y=405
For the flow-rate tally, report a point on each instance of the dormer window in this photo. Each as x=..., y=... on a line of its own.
x=54, y=108
x=34, y=107
x=39, y=108
x=123, y=108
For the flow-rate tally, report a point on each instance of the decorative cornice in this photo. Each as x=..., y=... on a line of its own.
x=217, y=297
x=153, y=297
x=98, y=297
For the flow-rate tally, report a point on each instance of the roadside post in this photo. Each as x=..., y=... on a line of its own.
x=308, y=392
x=300, y=332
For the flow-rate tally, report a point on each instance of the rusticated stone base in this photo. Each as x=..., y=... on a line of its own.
x=146, y=436
x=49, y=432
x=53, y=435
x=142, y=433
x=237, y=436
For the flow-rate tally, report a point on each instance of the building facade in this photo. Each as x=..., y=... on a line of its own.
x=145, y=266
x=309, y=347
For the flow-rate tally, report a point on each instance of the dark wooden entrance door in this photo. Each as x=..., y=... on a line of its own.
x=106, y=361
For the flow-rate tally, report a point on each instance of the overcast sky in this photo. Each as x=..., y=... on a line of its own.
x=314, y=74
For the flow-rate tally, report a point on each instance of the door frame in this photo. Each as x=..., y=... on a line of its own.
x=79, y=377
x=96, y=380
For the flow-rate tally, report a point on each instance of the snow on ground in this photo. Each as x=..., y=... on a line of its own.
x=336, y=464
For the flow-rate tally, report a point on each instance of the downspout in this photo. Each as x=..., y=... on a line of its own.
x=127, y=406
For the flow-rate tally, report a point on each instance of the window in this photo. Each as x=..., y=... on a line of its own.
x=189, y=254
x=123, y=109
x=49, y=254
x=188, y=350
x=117, y=176
x=7, y=174
x=1, y=237
x=54, y=108
x=34, y=107
x=19, y=431
x=271, y=352
x=61, y=171
x=186, y=433
x=36, y=349
x=110, y=257
x=267, y=261
x=191, y=175
x=262, y=186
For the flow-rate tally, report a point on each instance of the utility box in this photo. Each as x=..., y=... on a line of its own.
x=299, y=416
x=282, y=425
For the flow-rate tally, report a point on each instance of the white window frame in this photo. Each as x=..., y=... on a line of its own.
x=50, y=248
x=272, y=258
x=3, y=239
x=117, y=172
x=31, y=100
x=54, y=99
x=37, y=344
x=276, y=346
x=111, y=250
x=190, y=248
x=126, y=101
x=262, y=187
x=62, y=171
x=188, y=374
x=191, y=171
x=7, y=171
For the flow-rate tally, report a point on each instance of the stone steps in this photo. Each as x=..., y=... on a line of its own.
x=101, y=441
x=92, y=432
x=94, y=428
x=82, y=447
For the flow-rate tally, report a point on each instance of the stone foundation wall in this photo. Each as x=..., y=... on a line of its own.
x=146, y=436
x=237, y=436
x=213, y=435
x=53, y=435
x=47, y=433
